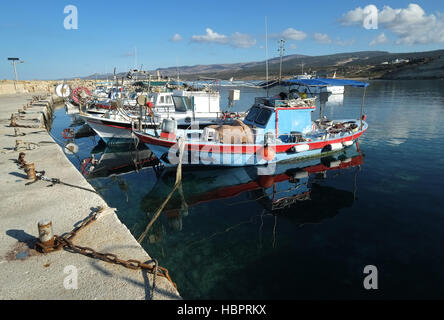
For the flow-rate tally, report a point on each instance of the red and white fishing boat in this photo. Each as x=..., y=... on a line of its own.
x=183, y=106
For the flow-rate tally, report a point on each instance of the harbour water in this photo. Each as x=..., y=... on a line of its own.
x=308, y=231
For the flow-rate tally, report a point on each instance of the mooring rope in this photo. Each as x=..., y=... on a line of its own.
x=181, y=144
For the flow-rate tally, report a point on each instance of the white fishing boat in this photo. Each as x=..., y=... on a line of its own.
x=181, y=106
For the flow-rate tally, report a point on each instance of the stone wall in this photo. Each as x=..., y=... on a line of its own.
x=36, y=86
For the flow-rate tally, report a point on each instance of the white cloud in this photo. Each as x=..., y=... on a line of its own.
x=210, y=36
x=322, y=38
x=293, y=46
x=382, y=38
x=356, y=16
x=411, y=25
x=290, y=34
x=237, y=40
x=344, y=43
x=241, y=40
x=176, y=38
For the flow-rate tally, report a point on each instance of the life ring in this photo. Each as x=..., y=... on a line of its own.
x=68, y=134
x=85, y=162
x=76, y=94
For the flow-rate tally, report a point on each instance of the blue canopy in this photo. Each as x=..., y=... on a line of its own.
x=322, y=82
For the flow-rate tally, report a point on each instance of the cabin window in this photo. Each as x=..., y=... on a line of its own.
x=169, y=100
x=182, y=104
x=263, y=117
x=252, y=114
x=162, y=100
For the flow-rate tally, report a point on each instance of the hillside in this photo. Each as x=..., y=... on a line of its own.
x=363, y=64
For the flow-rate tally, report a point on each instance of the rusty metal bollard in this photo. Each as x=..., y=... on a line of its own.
x=46, y=235
x=18, y=145
x=21, y=159
x=30, y=171
x=13, y=122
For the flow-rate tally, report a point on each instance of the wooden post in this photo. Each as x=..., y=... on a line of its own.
x=140, y=118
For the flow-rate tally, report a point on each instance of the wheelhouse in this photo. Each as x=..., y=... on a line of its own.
x=280, y=117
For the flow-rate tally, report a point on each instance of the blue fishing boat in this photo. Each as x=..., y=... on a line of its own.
x=275, y=129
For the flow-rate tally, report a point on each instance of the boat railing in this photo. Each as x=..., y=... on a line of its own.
x=291, y=103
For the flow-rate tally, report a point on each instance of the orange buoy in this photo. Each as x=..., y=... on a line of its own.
x=267, y=153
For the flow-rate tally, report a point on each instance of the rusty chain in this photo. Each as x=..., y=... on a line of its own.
x=65, y=242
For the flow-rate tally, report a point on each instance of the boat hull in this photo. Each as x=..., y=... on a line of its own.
x=111, y=132
x=204, y=154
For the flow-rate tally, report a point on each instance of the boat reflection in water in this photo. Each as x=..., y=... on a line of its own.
x=118, y=159
x=293, y=191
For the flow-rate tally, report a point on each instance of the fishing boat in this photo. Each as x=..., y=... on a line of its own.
x=161, y=102
x=311, y=85
x=180, y=106
x=335, y=89
x=275, y=129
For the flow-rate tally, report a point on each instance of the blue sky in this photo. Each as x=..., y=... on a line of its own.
x=207, y=32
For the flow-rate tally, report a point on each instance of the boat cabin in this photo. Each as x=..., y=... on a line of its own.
x=186, y=101
x=162, y=100
x=286, y=119
x=196, y=101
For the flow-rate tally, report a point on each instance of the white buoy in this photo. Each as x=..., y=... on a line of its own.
x=347, y=143
x=71, y=148
x=301, y=147
x=336, y=146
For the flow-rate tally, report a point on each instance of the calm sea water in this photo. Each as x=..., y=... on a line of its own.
x=308, y=231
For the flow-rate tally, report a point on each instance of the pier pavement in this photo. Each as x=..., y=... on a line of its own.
x=28, y=274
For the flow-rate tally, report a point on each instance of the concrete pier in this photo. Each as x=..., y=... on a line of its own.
x=28, y=274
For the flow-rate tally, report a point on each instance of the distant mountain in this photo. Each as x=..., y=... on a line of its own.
x=362, y=64
x=217, y=68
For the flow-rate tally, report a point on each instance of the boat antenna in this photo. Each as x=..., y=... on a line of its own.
x=135, y=57
x=266, y=52
x=115, y=77
x=177, y=70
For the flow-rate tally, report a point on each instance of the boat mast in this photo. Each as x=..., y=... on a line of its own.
x=281, y=51
x=266, y=52
x=362, y=107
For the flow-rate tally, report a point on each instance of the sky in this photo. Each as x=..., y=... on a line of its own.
x=131, y=33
